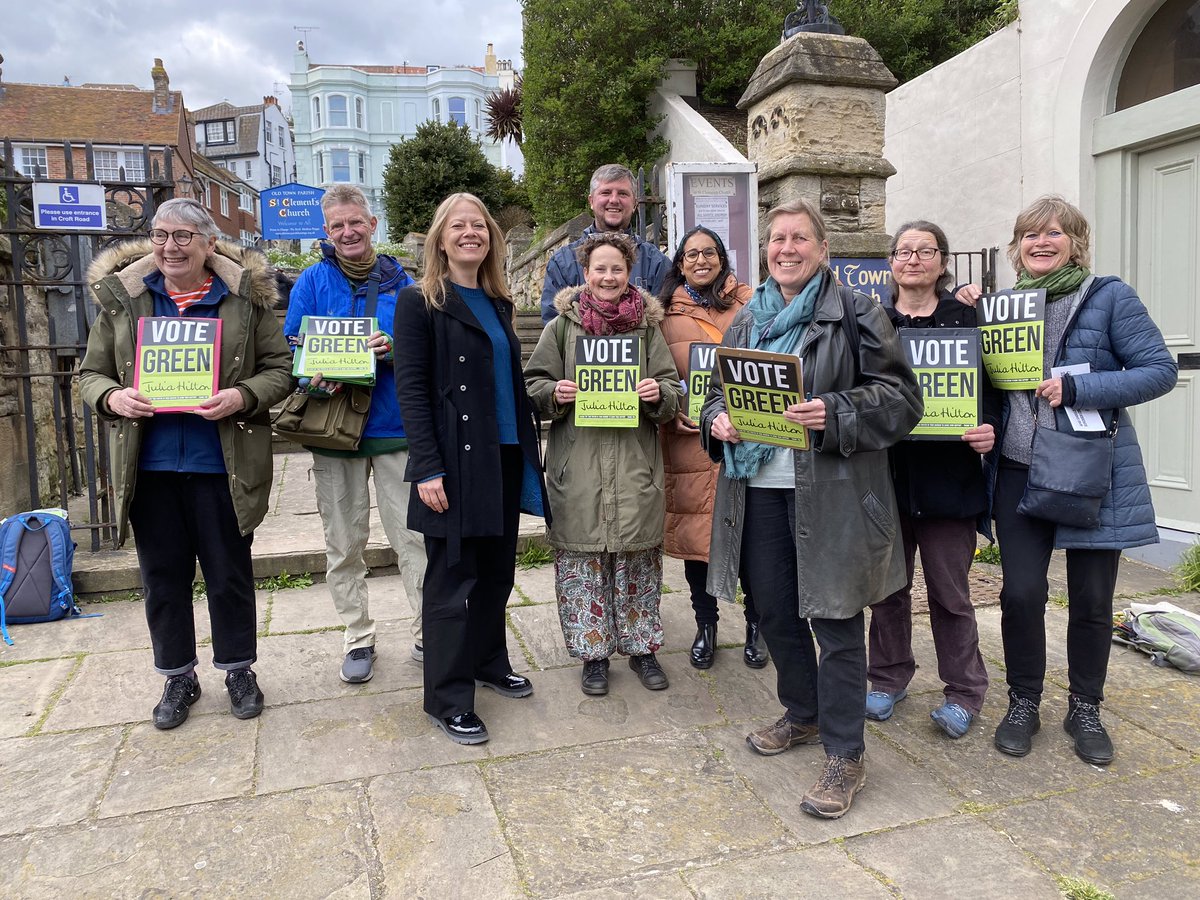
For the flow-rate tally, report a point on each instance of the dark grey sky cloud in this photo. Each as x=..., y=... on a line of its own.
x=238, y=51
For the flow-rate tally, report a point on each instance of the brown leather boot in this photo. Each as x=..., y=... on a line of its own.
x=783, y=735
x=840, y=780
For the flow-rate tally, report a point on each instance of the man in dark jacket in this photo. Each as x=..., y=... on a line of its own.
x=613, y=202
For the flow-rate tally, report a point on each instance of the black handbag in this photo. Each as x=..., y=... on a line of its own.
x=1069, y=475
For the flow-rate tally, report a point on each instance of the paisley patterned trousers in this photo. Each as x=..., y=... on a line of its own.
x=609, y=602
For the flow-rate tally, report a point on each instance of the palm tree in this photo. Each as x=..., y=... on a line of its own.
x=504, y=113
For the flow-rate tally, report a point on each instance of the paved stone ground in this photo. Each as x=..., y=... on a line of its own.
x=348, y=791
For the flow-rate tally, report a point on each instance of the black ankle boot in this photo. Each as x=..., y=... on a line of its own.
x=755, y=654
x=704, y=647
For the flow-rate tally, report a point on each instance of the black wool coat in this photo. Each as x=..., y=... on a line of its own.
x=446, y=389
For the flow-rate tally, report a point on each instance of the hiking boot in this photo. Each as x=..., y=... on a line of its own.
x=840, y=780
x=649, y=672
x=179, y=693
x=880, y=704
x=1092, y=743
x=1014, y=734
x=952, y=719
x=783, y=735
x=754, y=653
x=595, y=677
x=358, y=666
x=245, y=699
x=511, y=685
x=704, y=647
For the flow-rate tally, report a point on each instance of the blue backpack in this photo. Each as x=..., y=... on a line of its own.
x=36, y=555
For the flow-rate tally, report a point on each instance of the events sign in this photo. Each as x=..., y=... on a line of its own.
x=867, y=275
x=758, y=387
x=336, y=348
x=701, y=359
x=292, y=212
x=723, y=197
x=946, y=363
x=606, y=373
x=178, y=361
x=1012, y=330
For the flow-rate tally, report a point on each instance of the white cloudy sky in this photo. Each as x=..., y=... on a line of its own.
x=238, y=50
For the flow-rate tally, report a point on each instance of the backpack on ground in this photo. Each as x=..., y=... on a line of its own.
x=1170, y=635
x=36, y=555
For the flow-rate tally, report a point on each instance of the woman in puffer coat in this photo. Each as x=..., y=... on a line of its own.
x=605, y=484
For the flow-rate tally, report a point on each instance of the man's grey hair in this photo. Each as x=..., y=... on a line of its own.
x=189, y=212
x=611, y=172
x=344, y=195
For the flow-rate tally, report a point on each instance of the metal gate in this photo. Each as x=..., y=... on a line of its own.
x=54, y=263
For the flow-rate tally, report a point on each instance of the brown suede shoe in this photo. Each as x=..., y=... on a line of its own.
x=840, y=780
x=783, y=735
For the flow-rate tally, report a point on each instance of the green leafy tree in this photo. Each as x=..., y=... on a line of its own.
x=440, y=159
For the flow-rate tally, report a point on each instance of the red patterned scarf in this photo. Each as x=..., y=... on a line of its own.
x=603, y=317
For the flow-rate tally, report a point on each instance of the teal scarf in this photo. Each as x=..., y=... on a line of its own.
x=1062, y=281
x=778, y=326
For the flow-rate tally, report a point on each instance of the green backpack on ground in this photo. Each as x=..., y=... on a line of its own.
x=1169, y=634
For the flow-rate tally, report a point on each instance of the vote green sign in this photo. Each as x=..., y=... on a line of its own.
x=946, y=363
x=336, y=348
x=1012, y=329
x=178, y=361
x=701, y=359
x=606, y=373
x=758, y=387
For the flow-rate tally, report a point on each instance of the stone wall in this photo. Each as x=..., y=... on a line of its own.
x=526, y=266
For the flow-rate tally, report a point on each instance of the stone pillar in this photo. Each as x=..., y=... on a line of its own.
x=814, y=111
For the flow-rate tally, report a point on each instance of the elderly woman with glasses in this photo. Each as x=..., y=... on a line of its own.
x=192, y=485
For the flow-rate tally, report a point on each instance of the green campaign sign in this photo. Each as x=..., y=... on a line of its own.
x=1012, y=330
x=701, y=359
x=946, y=363
x=178, y=361
x=606, y=372
x=758, y=387
x=336, y=348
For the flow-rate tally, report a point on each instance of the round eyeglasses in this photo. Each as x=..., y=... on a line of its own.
x=182, y=237
x=694, y=254
x=925, y=253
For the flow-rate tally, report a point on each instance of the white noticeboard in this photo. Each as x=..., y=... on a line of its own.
x=69, y=207
x=722, y=196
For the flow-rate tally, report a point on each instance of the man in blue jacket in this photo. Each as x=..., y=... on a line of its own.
x=613, y=203
x=337, y=286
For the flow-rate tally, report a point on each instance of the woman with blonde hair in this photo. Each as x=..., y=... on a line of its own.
x=472, y=439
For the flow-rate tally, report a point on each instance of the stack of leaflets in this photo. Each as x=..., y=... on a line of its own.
x=335, y=348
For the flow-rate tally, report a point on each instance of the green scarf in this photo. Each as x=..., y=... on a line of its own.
x=356, y=270
x=1059, y=283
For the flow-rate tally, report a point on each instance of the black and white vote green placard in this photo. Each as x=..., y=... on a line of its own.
x=606, y=372
x=336, y=348
x=946, y=363
x=1012, y=331
x=701, y=359
x=178, y=361
x=758, y=387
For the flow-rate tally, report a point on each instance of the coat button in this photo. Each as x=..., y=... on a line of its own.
x=462, y=387
x=728, y=522
x=466, y=446
x=462, y=359
x=465, y=418
x=128, y=364
x=237, y=359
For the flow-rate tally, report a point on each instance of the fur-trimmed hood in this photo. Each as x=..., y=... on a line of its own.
x=244, y=271
x=566, y=304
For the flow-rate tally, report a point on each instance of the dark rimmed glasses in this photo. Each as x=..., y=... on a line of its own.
x=925, y=253
x=182, y=238
x=692, y=255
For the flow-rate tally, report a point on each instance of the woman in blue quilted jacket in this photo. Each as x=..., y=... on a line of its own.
x=1098, y=321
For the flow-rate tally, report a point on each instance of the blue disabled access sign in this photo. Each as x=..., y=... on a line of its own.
x=292, y=212
x=68, y=207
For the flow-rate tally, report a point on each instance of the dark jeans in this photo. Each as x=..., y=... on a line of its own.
x=1025, y=547
x=177, y=518
x=463, y=605
x=704, y=604
x=947, y=547
x=829, y=692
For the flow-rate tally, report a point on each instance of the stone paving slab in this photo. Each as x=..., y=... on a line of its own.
x=296, y=668
x=597, y=812
x=264, y=846
x=120, y=626
x=742, y=693
x=814, y=873
x=949, y=858
x=652, y=887
x=26, y=692
x=438, y=835
x=542, y=634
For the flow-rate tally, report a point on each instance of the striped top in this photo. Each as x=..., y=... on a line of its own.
x=184, y=299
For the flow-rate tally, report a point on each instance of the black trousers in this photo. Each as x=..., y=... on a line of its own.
x=464, y=604
x=177, y=518
x=704, y=604
x=829, y=692
x=1025, y=548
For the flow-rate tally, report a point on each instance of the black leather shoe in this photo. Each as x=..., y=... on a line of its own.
x=511, y=685
x=179, y=693
x=245, y=698
x=704, y=647
x=465, y=728
x=1014, y=734
x=755, y=652
x=595, y=677
x=1092, y=743
x=649, y=672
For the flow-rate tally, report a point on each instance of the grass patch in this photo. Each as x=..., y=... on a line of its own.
x=1058, y=600
x=534, y=556
x=285, y=582
x=989, y=554
x=199, y=591
x=1187, y=570
x=1077, y=889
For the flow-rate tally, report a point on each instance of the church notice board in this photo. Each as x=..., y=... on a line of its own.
x=946, y=364
x=758, y=387
x=606, y=373
x=178, y=361
x=1012, y=330
x=335, y=348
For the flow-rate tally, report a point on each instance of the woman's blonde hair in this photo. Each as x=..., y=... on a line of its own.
x=1037, y=215
x=437, y=266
